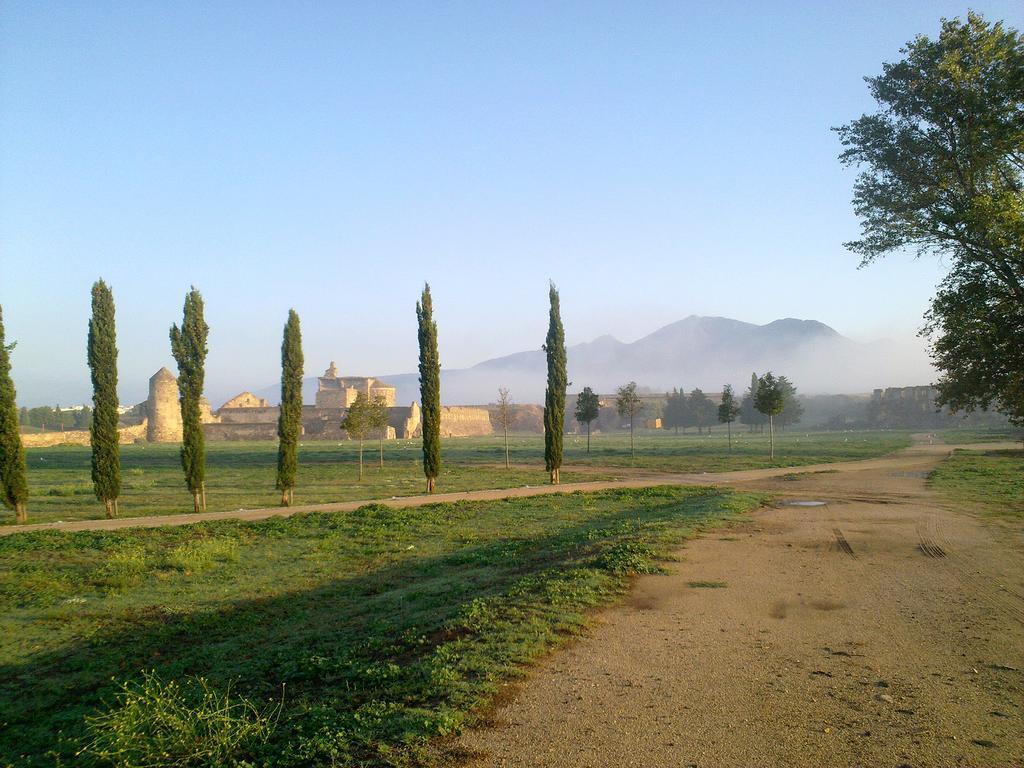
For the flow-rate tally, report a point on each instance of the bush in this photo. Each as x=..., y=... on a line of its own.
x=201, y=554
x=157, y=724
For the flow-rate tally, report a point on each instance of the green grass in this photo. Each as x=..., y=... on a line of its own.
x=706, y=584
x=241, y=475
x=988, y=482
x=374, y=632
x=666, y=451
x=990, y=435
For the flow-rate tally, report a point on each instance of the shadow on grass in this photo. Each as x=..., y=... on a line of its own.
x=369, y=664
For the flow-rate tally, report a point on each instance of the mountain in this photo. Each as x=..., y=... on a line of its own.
x=704, y=352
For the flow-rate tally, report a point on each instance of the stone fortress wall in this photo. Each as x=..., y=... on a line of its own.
x=248, y=417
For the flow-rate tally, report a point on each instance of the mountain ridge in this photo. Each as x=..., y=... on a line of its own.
x=704, y=351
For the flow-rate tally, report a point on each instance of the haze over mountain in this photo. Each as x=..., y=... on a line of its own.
x=704, y=352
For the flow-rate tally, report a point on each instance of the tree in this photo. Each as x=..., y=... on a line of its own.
x=792, y=410
x=588, y=407
x=289, y=421
x=976, y=332
x=430, y=388
x=188, y=345
x=770, y=400
x=103, y=435
x=505, y=417
x=676, y=412
x=358, y=422
x=942, y=172
x=749, y=414
x=13, y=483
x=701, y=410
x=628, y=404
x=728, y=409
x=558, y=382
x=379, y=416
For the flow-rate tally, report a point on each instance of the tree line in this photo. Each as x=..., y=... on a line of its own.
x=55, y=419
x=188, y=342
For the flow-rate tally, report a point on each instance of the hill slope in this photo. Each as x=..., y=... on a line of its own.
x=697, y=351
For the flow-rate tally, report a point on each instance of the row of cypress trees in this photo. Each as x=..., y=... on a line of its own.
x=103, y=433
x=430, y=388
x=189, y=348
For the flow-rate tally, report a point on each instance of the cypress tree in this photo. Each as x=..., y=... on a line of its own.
x=13, y=485
x=554, y=396
x=188, y=345
x=289, y=423
x=103, y=434
x=430, y=389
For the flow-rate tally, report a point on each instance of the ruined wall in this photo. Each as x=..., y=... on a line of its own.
x=460, y=421
x=223, y=432
x=126, y=436
x=265, y=415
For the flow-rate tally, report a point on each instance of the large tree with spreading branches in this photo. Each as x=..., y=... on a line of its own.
x=558, y=382
x=188, y=345
x=289, y=421
x=942, y=172
x=430, y=388
x=103, y=434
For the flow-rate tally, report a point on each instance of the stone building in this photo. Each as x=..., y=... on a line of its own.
x=334, y=391
x=248, y=417
x=246, y=400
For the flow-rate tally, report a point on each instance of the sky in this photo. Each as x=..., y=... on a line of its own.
x=655, y=160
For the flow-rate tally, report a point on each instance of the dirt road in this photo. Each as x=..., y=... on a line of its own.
x=633, y=479
x=883, y=628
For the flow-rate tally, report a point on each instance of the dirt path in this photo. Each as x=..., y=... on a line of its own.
x=636, y=479
x=883, y=628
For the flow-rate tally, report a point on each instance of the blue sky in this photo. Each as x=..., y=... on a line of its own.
x=654, y=159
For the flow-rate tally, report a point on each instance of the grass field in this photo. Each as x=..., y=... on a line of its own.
x=990, y=435
x=241, y=475
x=987, y=482
x=326, y=639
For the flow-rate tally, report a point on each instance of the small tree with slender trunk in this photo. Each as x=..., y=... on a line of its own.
x=379, y=423
x=13, y=484
x=587, y=409
x=770, y=400
x=505, y=417
x=430, y=388
x=358, y=423
x=554, y=395
x=727, y=411
x=289, y=422
x=628, y=404
x=104, y=437
x=188, y=345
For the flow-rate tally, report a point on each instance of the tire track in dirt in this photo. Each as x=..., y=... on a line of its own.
x=999, y=596
x=841, y=543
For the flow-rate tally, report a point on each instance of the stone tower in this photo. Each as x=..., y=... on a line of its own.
x=162, y=409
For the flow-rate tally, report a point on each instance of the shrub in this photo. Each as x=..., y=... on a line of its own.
x=202, y=553
x=123, y=568
x=157, y=724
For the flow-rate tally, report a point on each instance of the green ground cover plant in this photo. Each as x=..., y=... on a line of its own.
x=324, y=639
x=242, y=475
x=987, y=482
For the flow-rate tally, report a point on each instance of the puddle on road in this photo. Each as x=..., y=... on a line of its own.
x=793, y=503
